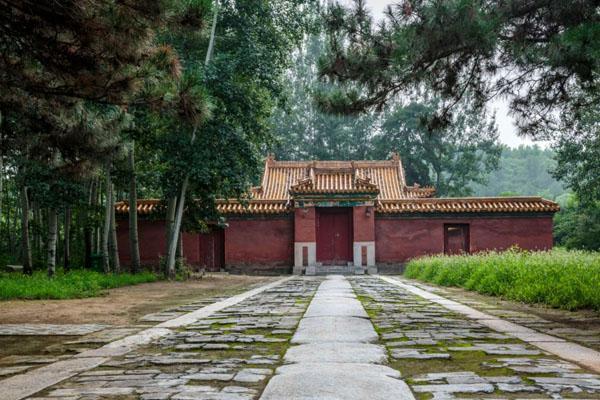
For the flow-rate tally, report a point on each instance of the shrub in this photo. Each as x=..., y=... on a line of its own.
x=559, y=278
x=73, y=284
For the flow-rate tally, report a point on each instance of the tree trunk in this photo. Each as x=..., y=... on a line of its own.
x=9, y=217
x=134, y=246
x=179, y=253
x=25, y=243
x=88, y=235
x=107, y=214
x=114, y=246
x=37, y=226
x=175, y=230
x=67, y=242
x=170, y=220
x=98, y=229
x=181, y=203
x=51, y=244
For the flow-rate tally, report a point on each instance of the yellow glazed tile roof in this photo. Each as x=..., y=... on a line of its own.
x=469, y=205
x=382, y=181
x=284, y=179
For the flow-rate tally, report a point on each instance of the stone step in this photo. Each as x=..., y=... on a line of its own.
x=335, y=270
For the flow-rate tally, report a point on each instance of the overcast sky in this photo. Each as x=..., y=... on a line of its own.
x=506, y=127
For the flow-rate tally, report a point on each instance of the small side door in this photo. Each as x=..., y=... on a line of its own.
x=456, y=239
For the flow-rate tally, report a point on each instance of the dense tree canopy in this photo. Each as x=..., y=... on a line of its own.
x=578, y=158
x=82, y=81
x=577, y=225
x=543, y=54
x=69, y=69
x=452, y=158
x=302, y=131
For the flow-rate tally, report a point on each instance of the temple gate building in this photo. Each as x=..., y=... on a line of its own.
x=344, y=217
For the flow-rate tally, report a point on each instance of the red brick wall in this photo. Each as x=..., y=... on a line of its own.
x=259, y=244
x=398, y=240
x=305, y=224
x=152, y=242
x=364, y=225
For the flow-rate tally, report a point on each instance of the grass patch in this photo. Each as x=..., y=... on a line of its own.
x=558, y=278
x=71, y=285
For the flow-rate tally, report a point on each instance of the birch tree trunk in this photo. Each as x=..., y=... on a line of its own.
x=175, y=230
x=179, y=252
x=67, y=241
x=87, y=229
x=51, y=244
x=98, y=229
x=134, y=246
x=25, y=243
x=114, y=246
x=10, y=216
x=181, y=201
x=171, y=208
x=37, y=228
x=106, y=231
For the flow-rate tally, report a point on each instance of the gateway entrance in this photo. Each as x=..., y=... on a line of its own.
x=334, y=235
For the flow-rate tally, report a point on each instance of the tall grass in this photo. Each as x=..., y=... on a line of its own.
x=73, y=284
x=558, y=278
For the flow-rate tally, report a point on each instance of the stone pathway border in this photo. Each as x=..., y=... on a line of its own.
x=20, y=386
x=567, y=350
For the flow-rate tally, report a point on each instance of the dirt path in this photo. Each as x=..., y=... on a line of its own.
x=124, y=305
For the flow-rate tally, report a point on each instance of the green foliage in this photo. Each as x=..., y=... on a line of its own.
x=70, y=285
x=558, y=278
x=543, y=55
x=577, y=224
x=238, y=89
x=450, y=158
x=302, y=131
x=523, y=171
x=578, y=157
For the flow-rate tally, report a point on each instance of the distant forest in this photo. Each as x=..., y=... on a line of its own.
x=523, y=171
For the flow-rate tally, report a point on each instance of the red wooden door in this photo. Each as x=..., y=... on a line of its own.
x=334, y=235
x=456, y=238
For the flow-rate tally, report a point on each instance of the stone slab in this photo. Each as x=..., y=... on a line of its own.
x=315, y=381
x=20, y=386
x=334, y=329
x=336, y=353
x=49, y=329
x=336, y=307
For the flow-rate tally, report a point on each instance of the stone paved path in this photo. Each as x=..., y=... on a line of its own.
x=335, y=357
x=581, y=326
x=349, y=338
x=443, y=354
x=35, y=380
x=228, y=354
